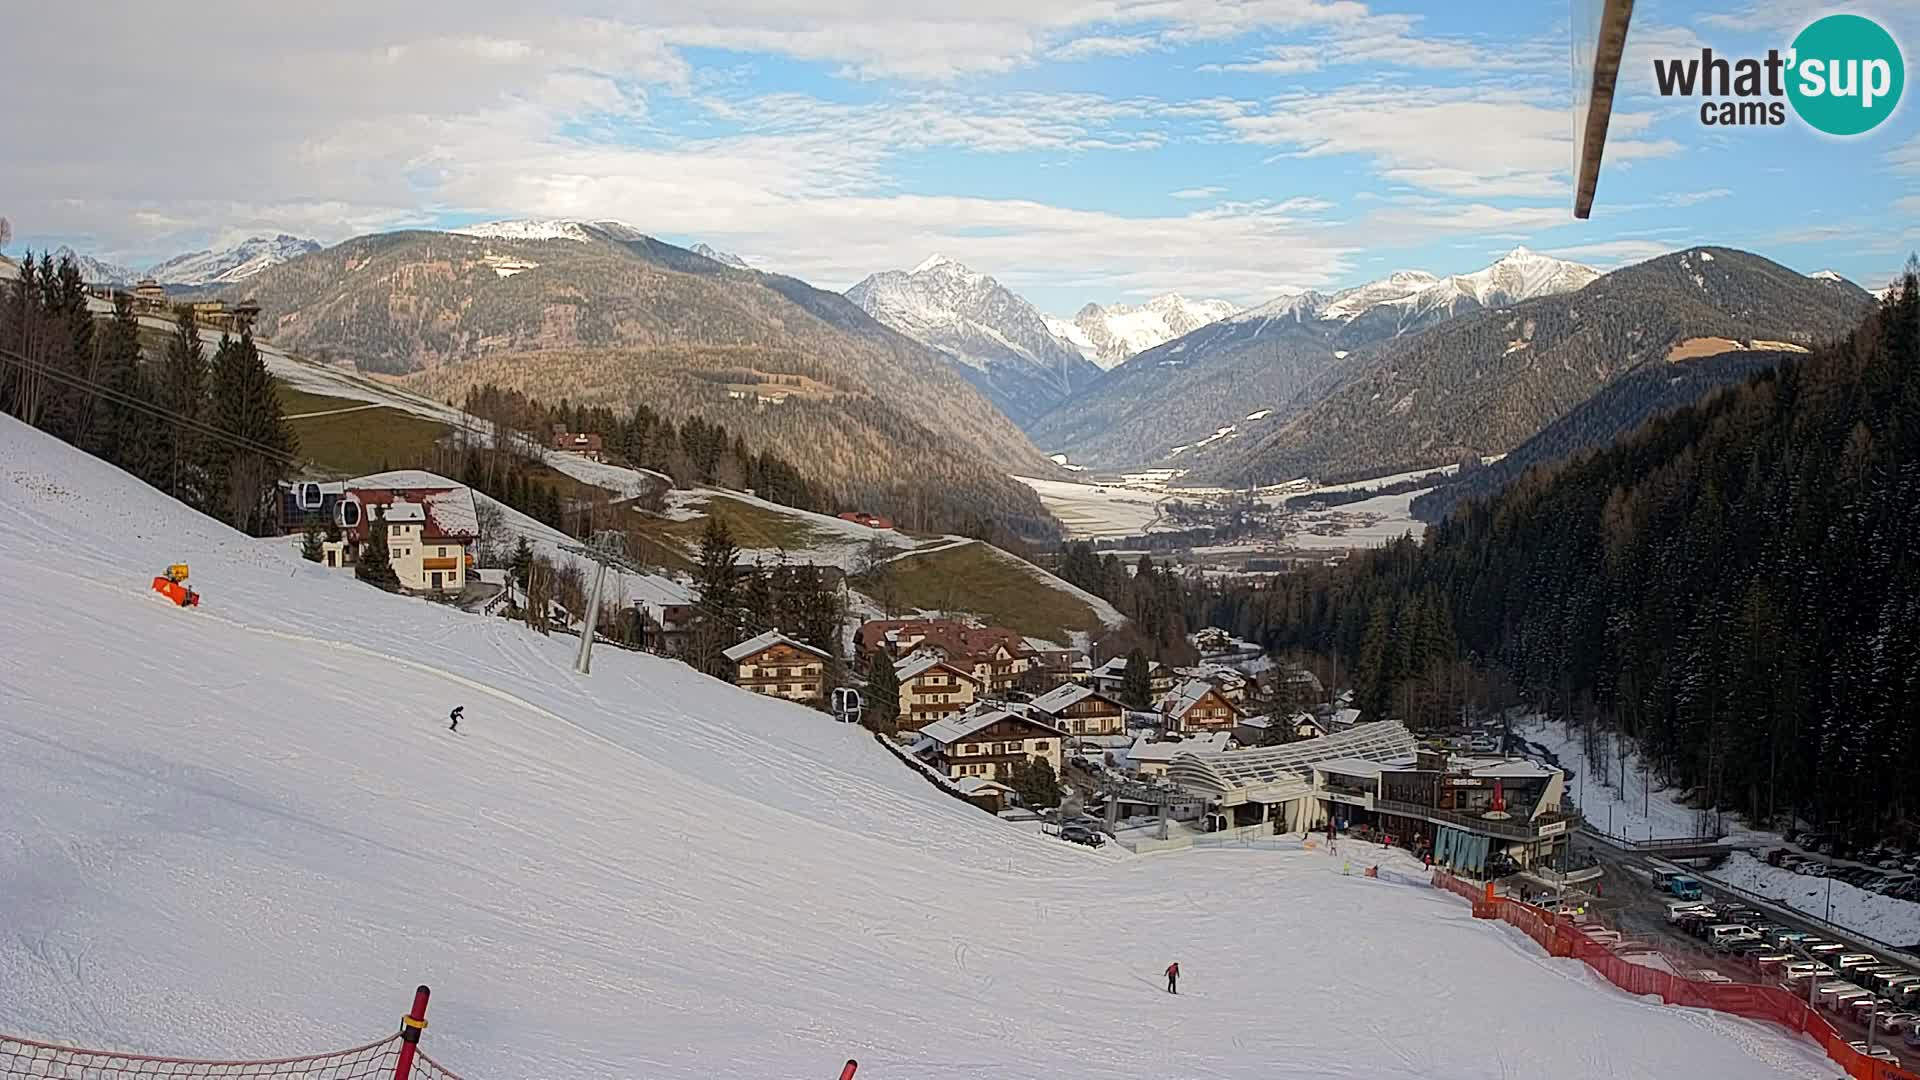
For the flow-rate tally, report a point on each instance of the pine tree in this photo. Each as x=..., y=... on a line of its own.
x=1136, y=681
x=181, y=393
x=312, y=541
x=1035, y=782
x=717, y=609
x=375, y=564
x=244, y=470
x=522, y=562
x=115, y=430
x=883, y=694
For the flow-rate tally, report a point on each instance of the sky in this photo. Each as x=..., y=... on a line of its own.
x=1078, y=150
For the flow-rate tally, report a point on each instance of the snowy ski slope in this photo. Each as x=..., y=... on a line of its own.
x=243, y=830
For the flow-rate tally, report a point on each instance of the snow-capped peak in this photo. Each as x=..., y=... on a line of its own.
x=1827, y=275
x=528, y=229
x=718, y=256
x=1109, y=335
x=241, y=261
x=94, y=271
x=931, y=261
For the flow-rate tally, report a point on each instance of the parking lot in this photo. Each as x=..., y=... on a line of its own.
x=1628, y=903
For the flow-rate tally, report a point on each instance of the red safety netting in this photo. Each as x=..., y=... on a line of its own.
x=1560, y=936
x=25, y=1058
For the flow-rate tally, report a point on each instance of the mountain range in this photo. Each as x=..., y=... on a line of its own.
x=1255, y=369
x=599, y=313
x=237, y=263
x=1112, y=334
x=999, y=341
x=726, y=257
x=1484, y=382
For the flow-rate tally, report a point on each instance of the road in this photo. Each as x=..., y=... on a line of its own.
x=1629, y=903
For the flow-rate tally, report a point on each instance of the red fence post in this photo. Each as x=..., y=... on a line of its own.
x=411, y=1025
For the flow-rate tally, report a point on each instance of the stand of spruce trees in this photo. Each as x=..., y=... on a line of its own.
x=1736, y=586
x=208, y=432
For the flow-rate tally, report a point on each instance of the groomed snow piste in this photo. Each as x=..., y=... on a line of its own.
x=244, y=830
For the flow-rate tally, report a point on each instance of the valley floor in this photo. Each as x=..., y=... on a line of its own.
x=244, y=830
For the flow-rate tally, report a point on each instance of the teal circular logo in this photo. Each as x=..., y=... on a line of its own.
x=1847, y=74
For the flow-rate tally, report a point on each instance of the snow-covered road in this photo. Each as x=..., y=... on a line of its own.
x=244, y=830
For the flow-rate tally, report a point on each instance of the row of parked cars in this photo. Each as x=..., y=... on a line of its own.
x=1856, y=985
x=1889, y=879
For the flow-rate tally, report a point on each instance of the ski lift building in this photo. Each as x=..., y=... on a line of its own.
x=1273, y=785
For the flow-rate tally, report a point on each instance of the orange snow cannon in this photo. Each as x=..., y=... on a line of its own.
x=173, y=585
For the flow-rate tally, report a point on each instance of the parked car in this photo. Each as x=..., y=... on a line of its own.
x=1811, y=868
x=1676, y=910
x=1749, y=947
x=1723, y=936
x=1857, y=961
x=1080, y=834
x=1892, y=1023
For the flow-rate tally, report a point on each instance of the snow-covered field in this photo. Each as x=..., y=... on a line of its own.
x=243, y=830
x=834, y=542
x=1883, y=918
x=1096, y=511
x=1394, y=521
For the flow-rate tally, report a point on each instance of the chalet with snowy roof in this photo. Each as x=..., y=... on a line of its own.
x=997, y=657
x=1110, y=676
x=989, y=743
x=931, y=689
x=776, y=665
x=989, y=795
x=432, y=524
x=667, y=610
x=1198, y=705
x=586, y=444
x=1082, y=711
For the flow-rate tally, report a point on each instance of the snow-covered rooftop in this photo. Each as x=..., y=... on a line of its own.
x=765, y=640
x=959, y=727
x=401, y=480
x=402, y=512
x=920, y=663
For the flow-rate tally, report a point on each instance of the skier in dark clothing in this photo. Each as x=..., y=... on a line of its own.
x=1173, y=977
x=454, y=716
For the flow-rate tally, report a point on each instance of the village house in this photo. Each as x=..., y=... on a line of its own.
x=778, y=666
x=667, y=610
x=871, y=521
x=1256, y=730
x=1111, y=675
x=1198, y=705
x=1081, y=710
x=989, y=795
x=988, y=743
x=589, y=445
x=931, y=689
x=996, y=657
x=432, y=524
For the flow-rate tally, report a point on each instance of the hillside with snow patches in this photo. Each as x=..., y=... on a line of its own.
x=243, y=830
x=237, y=263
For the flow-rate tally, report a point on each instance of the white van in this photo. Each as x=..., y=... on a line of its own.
x=1674, y=911
x=1723, y=936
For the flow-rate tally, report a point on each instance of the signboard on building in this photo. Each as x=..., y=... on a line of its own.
x=1350, y=800
x=1554, y=828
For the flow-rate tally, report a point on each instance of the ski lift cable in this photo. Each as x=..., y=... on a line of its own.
x=153, y=409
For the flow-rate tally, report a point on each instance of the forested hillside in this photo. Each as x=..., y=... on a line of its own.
x=617, y=319
x=1617, y=409
x=1486, y=382
x=1736, y=584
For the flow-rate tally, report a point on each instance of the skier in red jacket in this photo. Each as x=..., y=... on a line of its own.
x=1173, y=977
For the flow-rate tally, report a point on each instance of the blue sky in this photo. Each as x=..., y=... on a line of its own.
x=1077, y=149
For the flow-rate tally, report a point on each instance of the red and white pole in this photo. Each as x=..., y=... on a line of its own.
x=411, y=1025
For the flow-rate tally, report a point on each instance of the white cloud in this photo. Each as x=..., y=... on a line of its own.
x=1610, y=254
x=1196, y=192
x=1467, y=141
x=1694, y=198
x=1086, y=47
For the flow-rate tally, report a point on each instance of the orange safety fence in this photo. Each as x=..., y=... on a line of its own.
x=1559, y=936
